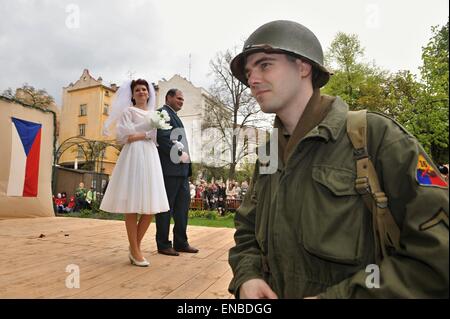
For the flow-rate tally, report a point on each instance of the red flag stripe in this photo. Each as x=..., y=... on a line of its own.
x=30, y=188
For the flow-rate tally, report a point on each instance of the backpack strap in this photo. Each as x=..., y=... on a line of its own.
x=385, y=229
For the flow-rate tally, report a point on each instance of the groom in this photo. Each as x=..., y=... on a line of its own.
x=176, y=166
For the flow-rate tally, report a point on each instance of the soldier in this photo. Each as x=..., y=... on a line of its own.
x=320, y=226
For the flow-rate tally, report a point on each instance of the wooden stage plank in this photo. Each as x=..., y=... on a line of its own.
x=34, y=267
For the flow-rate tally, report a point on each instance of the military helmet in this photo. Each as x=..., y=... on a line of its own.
x=283, y=36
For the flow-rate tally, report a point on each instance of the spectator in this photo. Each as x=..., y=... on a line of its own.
x=192, y=189
x=244, y=188
x=221, y=199
x=199, y=191
x=238, y=191
x=91, y=197
x=214, y=193
x=231, y=191
x=58, y=201
x=70, y=205
x=80, y=197
x=64, y=198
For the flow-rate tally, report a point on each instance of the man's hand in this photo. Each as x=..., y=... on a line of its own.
x=184, y=158
x=256, y=289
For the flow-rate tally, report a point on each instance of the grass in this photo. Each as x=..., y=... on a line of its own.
x=225, y=221
x=196, y=218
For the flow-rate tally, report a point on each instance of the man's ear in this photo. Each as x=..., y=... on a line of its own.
x=305, y=68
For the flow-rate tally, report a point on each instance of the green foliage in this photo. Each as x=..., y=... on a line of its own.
x=29, y=95
x=203, y=214
x=210, y=219
x=207, y=172
x=227, y=222
x=222, y=173
x=419, y=105
x=196, y=217
x=432, y=120
x=84, y=213
x=95, y=206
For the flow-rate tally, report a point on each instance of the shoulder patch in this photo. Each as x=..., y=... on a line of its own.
x=426, y=175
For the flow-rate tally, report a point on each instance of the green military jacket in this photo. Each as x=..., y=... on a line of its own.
x=306, y=231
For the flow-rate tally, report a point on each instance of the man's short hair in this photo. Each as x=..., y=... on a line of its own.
x=315, y=72
x=171, y=93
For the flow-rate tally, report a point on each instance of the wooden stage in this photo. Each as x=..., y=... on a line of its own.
x=37, y=251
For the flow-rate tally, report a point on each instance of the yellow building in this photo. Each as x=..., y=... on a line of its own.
x=86, y=104
x=85, y=107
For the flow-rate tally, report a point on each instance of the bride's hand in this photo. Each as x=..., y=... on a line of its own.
x=136, y=137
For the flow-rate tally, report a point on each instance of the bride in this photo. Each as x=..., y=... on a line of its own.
x=136, y=186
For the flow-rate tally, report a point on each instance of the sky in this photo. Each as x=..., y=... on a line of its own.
x=48, y=43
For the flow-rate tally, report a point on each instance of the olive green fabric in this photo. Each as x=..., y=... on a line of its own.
x=315, y=231
x=368, y=186
x=315, y=111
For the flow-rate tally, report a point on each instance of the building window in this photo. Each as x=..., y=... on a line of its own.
x=82, y=129
x=106, y=109
x=80, y=152
x=83, y=110
x=106, y=93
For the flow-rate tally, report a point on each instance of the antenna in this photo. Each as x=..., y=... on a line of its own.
x=189, y=67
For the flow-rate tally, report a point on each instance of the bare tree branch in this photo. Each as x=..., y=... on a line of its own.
x=233, y=108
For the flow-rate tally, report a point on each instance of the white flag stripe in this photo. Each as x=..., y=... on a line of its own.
x=18, y=164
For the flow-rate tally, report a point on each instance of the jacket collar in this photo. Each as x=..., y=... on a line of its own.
x=170, y=108
x=323, y=116
x=333, y=124
x=328, y=114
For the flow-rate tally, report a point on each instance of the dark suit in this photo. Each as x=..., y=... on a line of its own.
x=176, y=181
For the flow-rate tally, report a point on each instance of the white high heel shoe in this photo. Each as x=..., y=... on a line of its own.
x=133, y=261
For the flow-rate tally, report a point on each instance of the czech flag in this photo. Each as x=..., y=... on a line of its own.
x=25, y=153
x=426, y=175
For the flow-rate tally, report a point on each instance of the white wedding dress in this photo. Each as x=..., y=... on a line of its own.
x=137, y=183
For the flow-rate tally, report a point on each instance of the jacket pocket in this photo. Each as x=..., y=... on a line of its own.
x=332, y=217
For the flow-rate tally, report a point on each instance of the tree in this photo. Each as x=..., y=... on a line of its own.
x=343, y=56
x=419, y=105
x=402, y=98
x=232, y=111
x=432, y=119
x=29, y=95
x=360, y=84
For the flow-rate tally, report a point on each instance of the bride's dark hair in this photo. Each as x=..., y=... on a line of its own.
x=138, y=82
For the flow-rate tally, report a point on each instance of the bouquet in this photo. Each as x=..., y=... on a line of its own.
x=159, y=119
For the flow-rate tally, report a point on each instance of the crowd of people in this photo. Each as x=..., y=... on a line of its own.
x=62, y=204
x=215, y=195
x=83, y=199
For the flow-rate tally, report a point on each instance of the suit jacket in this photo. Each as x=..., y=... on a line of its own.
x=170, y=168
